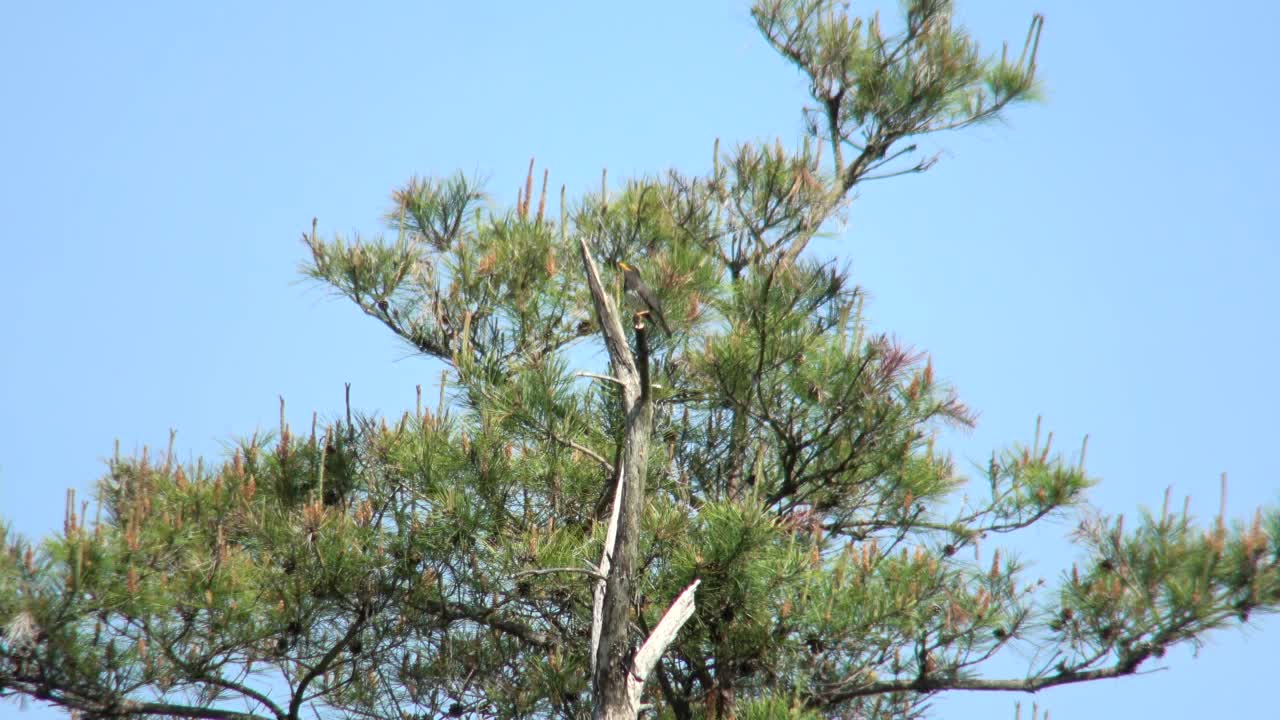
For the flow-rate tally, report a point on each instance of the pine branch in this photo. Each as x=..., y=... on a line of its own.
x=930, y=684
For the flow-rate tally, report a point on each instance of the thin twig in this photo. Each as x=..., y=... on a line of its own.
x=606, y=378
x=585, y=451
x=595, y=574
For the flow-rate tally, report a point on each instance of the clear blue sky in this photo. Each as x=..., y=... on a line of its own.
x=1107, y=259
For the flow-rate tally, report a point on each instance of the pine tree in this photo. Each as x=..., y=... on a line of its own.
x=747, y=517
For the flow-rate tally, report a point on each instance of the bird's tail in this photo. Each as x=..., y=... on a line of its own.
x=662, y=321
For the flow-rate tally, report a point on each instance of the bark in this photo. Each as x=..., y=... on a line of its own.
x=618, y=671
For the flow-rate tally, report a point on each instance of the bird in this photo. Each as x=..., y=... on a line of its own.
x=642, y=296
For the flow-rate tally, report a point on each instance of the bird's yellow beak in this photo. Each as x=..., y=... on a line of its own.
x=623, y=265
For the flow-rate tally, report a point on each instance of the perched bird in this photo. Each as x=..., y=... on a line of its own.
x=641, y=296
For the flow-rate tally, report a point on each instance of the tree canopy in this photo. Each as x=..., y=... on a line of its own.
x=508, y=548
